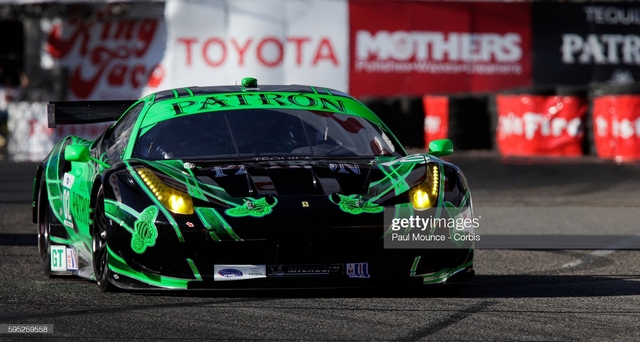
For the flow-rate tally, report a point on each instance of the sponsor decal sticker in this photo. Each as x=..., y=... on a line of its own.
x=305, y=270
x=63, y=258
x=72, y=259
x=68, y=180
x=358, y=270
x=238, y=272
x=230, y=273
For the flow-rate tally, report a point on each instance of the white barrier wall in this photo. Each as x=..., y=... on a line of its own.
x=30, y=138
x=277, y=42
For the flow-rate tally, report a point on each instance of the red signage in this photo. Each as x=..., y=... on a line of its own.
x=436, y=118
x=616, y=124
x=536, y=125
x=416, y=47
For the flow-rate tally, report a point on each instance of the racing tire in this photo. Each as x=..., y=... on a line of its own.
x=44, y=230
x=99, y=246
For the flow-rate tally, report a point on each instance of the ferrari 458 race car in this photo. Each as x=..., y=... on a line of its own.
x=244, y=186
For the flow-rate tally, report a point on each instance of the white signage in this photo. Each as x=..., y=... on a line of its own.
x=220, y=42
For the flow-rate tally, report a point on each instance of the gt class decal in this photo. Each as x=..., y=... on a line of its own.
x=63, y=259
x=238, y=272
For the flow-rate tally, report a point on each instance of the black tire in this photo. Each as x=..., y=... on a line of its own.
x=44, y=229
x=99, y=246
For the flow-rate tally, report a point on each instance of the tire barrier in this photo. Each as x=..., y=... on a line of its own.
x=469, y=121
x=30, y=138
x=403, y=115
x=463, y=118
x=616, y=121
x=436, y=118
x=581, y=92
x=543, y=121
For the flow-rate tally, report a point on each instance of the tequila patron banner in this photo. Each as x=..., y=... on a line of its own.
x=582, y=43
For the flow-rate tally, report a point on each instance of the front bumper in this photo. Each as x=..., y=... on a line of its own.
x=317, y=258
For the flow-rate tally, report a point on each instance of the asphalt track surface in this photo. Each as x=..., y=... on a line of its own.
x=517, y=294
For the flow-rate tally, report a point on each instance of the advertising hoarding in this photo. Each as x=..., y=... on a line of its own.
x=582, y=43
x=417, y=47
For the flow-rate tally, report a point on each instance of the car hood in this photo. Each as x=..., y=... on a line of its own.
x=372, y=179
x=257, y=199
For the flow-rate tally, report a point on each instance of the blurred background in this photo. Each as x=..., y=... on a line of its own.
x=518, y=78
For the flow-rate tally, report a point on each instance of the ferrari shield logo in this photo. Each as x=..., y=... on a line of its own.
x=305, y=204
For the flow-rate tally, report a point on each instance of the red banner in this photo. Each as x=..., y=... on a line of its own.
x=616, y=124
x=416, y=47
x=536, y=125
x=436, y=118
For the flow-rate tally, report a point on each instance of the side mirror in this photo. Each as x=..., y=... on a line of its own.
x=440, y=147
x=77, y=153
x=81, y=154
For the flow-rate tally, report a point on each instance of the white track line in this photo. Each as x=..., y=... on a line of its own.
x=603, y=252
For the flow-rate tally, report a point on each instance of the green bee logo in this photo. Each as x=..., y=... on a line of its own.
x=254, y=207
x=145, y=231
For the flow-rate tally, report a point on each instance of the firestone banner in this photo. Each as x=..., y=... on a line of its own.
x=617, y=126
x=536, y=125
x=416, y=47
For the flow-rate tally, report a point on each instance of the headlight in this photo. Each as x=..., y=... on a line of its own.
x=425, y=195
x=175, y=200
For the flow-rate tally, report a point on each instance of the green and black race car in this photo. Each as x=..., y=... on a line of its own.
x=244, y=186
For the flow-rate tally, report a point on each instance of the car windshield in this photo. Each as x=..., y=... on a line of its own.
x=264, y=133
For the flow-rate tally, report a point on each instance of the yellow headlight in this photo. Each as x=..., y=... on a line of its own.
x=175, y=200
x=425, y=195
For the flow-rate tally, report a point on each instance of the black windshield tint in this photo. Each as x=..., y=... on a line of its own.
x=264, y=133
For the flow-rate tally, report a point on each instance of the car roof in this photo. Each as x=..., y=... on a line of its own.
x=167, y=104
